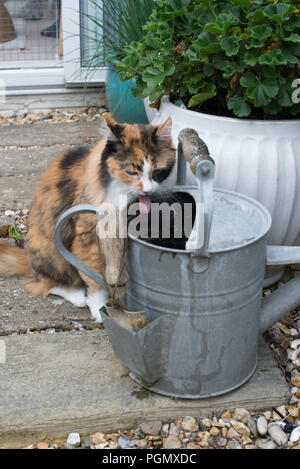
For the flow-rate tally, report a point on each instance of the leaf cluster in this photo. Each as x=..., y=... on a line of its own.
x=234, y=57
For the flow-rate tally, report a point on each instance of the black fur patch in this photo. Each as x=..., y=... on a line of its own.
x=74, y=156
x=148, y=136
x=159, y=175
x=110, y=148
x=117, y=129
x=44, y=267
x=134, y=142
x=67, y=189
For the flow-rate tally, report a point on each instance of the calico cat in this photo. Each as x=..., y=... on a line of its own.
x=134, y=160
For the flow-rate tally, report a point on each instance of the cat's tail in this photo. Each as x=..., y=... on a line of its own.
x=14, y=262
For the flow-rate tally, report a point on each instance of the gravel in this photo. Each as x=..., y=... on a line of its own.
x=55, y=116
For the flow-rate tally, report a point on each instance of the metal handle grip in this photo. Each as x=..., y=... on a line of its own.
x=77, y=263
x=193, y=148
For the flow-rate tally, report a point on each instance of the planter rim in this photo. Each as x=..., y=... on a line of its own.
x=166, y=100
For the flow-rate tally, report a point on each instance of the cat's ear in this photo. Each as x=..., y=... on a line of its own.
x=163, y=132
x=115, y=128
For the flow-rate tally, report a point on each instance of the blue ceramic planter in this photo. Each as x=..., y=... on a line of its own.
x=123, y=106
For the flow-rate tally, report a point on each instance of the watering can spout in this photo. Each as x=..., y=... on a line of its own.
x=286, y=298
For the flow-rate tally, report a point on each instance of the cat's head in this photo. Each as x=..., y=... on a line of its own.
x=140, y=157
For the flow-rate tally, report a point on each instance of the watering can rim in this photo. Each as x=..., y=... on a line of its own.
x=259, y=205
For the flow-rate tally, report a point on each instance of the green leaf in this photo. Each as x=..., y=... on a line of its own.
x=238, y=106
x=251, y=57
x=262, y=91
x=230, y=45
x=291, y=52
x=208, y=70
x=273, y=108
x=213, y=28
x=272, y=58
x=277, y=12
x=256, y=16
x=13, y=233
x=260, y=31
x=169, y=69
x=242, y=3
x=293, y=38
x=285, y=95
x=206, y=43
x=179, y=5
x=208, y=92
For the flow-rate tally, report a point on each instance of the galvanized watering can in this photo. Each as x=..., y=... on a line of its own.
x=204, y=304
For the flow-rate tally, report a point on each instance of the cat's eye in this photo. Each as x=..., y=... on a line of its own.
x=131, y=173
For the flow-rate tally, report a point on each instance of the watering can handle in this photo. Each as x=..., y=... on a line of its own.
x=193, y=150
x=67, y=254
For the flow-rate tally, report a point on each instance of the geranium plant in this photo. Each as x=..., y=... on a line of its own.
x=231, y=58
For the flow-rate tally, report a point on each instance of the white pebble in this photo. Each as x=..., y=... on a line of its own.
x=165, y=429
x=262, y=425
x=263, y=443
x=277, y=434
x=73, y=439
x=293, y=354
x=295, y=344
x=241, y=415
x=10, y=213
x=295, y=435
x=173, y=430
x=233, y=444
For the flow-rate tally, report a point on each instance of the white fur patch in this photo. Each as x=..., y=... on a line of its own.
x=119, y=194
x=95, y=303
x=149, y=186
x=76, y=297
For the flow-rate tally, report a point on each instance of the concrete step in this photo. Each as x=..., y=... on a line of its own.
x=53, y=384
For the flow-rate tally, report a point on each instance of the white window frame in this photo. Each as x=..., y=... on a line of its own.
x=75, y=74
x=28, y=75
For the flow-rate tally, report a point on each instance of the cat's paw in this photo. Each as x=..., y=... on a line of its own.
x=95, y=302
x=76, y=297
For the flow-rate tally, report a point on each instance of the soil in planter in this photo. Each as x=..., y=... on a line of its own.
x=169, y=222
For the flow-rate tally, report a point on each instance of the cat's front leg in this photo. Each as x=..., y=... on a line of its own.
x=95, y=301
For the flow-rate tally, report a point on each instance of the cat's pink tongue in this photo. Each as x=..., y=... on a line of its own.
x=145, y=203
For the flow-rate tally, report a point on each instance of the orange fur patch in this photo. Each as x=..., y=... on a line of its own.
x=14, y=261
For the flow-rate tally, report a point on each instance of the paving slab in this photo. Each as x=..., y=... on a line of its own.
x=16, y=192
x=70, y=133
x=21, y=166
x=20, y=311
x=28, y=161
x=58, y=383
